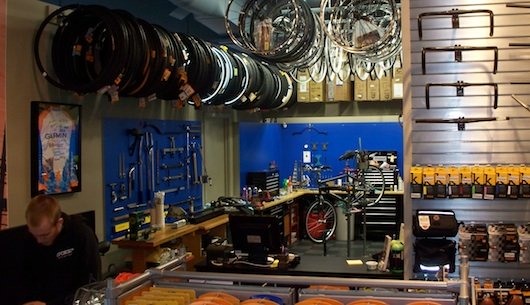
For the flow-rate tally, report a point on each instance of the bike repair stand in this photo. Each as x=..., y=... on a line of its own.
x=348, y=234
x=363, y=210
x=324, y=237
x=325, y=231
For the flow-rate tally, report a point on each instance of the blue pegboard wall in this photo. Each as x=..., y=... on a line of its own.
x=176, y=151
x=260, y=144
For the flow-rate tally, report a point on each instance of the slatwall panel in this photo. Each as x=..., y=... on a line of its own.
x=502, y=141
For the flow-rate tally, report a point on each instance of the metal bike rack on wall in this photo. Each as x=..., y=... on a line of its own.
x=455, y=18
x=457, y=49
x=460, y=85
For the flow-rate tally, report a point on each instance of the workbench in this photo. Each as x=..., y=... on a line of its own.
x=190, y=234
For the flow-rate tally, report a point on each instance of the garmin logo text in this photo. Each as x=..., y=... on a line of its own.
x=55, y=135
x=65, y=253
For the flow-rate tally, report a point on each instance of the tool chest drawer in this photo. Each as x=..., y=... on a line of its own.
x=383, y=218
x=267, y=181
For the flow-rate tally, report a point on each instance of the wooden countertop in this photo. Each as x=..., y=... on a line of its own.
x=159, y=237
x=213, y=223
x=169, y=233
x=301, y=192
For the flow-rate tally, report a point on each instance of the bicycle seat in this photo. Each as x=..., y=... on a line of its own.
x=348, y=155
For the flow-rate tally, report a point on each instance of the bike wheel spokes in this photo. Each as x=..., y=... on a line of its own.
x=374, y=183
x=321, y=221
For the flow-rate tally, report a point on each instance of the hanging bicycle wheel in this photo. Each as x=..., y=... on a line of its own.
x=320, y=221
x=370, y=186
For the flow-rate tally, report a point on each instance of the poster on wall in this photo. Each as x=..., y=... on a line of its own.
x=55, y=148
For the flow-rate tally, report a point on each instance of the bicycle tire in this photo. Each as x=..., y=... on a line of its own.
x=375, y=191
x=320, y=219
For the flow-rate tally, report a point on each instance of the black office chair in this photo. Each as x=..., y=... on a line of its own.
x=104, y=247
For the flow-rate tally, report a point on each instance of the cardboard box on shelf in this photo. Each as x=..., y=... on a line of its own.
x=360, y=90
x=373, y=89
x=385, y=88
x=342, y=89
x=302, y=87
x=317, y=91
x=397, y=84
x=330, y=90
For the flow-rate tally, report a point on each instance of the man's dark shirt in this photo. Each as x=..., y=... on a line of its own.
x=52, y=274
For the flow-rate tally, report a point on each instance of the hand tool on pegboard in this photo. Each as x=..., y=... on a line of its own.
x=121, y=166
x=113, y=194
x=188, y=158
x=173, y=190
x=195, y=167
x=168, y=179
x=131, y=180
x=123, y=192
x=171, y=166
x=150, y=164
x=138, y=136
x=192, y=133
x=172, y=149
x=157, y=165
x=139, y=170
x=204, y=178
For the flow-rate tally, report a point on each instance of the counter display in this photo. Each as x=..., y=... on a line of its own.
x=289, y=290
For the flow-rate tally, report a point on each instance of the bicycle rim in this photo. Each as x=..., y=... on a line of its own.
x=375, y=182
x=320, y=221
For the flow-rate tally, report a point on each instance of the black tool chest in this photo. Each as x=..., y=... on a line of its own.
x=383, y=218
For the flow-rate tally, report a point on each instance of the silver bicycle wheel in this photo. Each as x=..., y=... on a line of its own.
x=320, y=220
x=374, y=185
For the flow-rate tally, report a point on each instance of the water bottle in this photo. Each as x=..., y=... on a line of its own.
x=396, y=256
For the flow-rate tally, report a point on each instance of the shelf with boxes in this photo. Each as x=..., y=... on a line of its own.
x=487, y=182
x=491, y=232
x=497, y=242
x=388, y=87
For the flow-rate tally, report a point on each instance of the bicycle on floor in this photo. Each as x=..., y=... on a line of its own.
x=360, y=187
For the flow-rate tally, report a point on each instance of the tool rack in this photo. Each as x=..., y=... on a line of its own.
x=293, y=289
x=143, y=157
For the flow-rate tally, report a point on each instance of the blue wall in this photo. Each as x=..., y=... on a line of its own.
x=118, y=140
x=262, y=143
